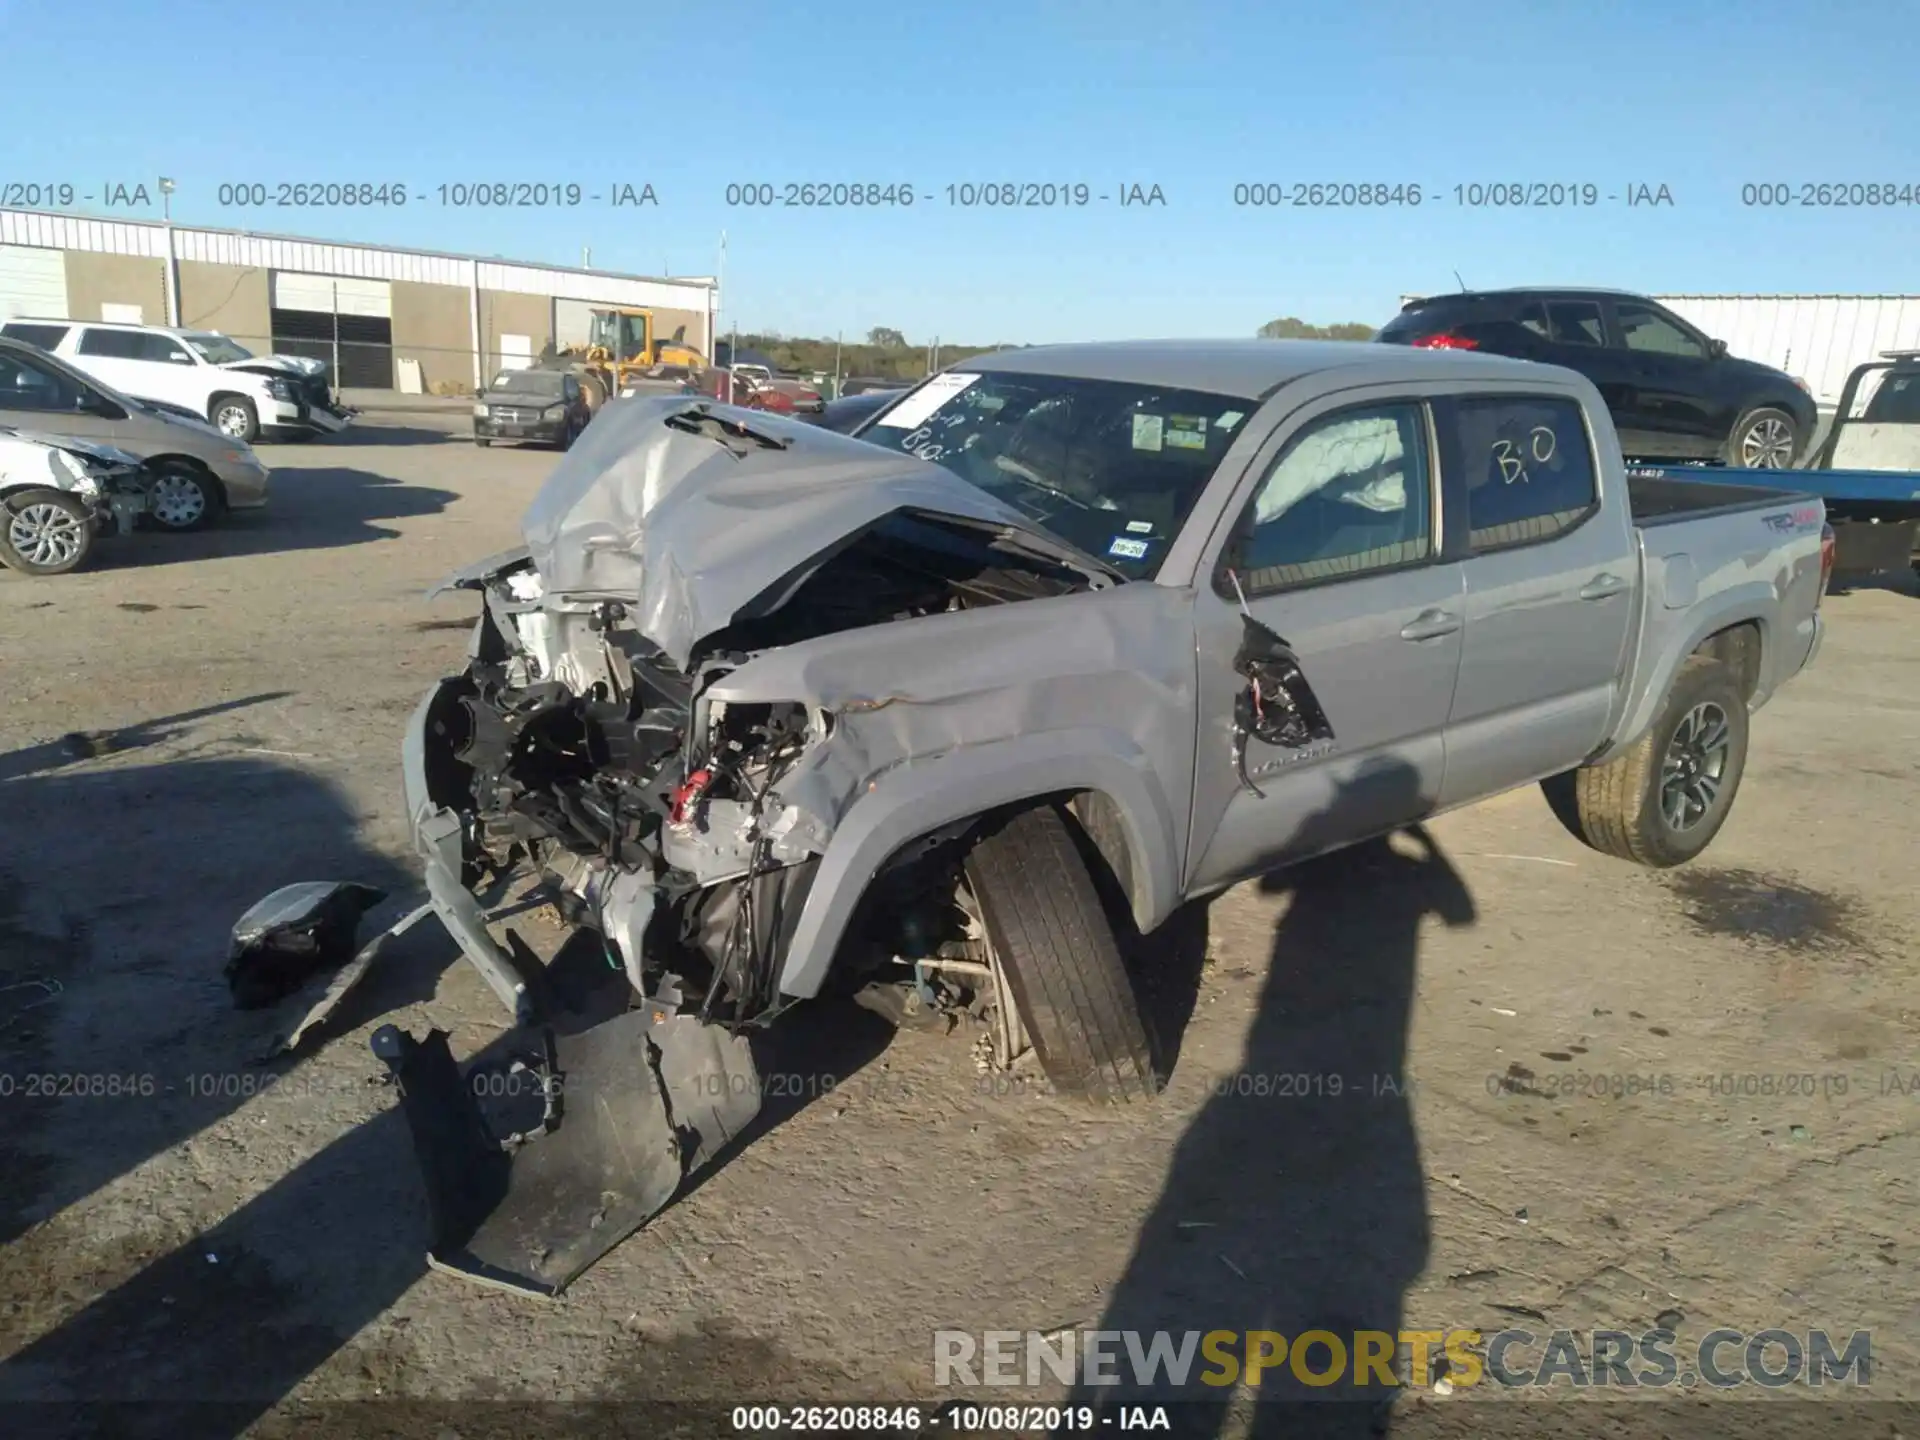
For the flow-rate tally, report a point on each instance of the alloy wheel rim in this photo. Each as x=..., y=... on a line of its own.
x=1767, y=445
x=1694, y=770
x=177, y=500
x=45, y=534
x=233, y=421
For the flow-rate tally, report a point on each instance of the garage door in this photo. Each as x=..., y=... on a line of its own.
x=330, y=294
x=343, y=321
x=33, y=281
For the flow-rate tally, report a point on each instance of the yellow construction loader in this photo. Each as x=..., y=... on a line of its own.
x=621, y=348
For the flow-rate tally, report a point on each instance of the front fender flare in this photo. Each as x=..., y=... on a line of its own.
x=926, y=794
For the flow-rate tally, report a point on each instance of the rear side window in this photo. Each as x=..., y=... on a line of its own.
x=112, y=344
x=1527, y=465
x=1349, y=496
x=1575, y=322
x=45, y=336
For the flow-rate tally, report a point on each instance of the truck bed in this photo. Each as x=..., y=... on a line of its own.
x=1657, y=497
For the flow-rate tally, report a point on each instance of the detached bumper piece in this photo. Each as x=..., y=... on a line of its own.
x=552, y=1148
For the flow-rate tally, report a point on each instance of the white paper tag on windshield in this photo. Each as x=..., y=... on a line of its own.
x=1147, y=432
x=917, y=407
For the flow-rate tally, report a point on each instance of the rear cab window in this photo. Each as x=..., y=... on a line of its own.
x=46, y=337
x=1896, y=401
x=1526, y=464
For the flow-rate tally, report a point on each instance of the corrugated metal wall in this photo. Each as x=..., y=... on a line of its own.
x=278, y=252
x=1817, y=337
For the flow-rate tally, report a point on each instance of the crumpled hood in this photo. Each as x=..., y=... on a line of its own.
x=693, y=530
x=285, y=364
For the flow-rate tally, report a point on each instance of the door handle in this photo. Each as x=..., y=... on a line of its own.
x=1602, y=587
x=1430, y=625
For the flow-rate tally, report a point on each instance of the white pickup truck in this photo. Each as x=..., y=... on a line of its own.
x=241, y=394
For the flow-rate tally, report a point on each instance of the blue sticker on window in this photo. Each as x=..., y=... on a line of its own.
x=1127, y=549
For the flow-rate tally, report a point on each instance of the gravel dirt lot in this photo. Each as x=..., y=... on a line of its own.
x=215, y=1231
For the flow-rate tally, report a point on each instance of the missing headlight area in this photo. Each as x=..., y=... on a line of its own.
x=576, y=753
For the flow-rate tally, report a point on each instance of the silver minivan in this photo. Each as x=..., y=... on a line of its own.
x=195, y=473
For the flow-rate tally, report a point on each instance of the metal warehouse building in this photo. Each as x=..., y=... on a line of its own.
x=1817, y=337
x=366, y=309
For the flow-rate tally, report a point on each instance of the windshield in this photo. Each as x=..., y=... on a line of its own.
x=1111, y=468
x=217, y=349
x=528, y=382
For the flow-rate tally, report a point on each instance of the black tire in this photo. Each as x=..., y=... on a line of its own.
x=235, y=417
x=55, y=530
x=483, y=444
x=1617, y=808
x=1757, y=437
x=1056, y=947
x=181, y=498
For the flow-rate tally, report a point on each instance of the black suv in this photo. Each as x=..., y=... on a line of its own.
x=1674, y=393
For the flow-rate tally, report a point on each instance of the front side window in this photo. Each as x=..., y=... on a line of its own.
x=1347, y=496
x=1528, y=467
x=217, y=349
x=25, y=386
x=1111, y=467
x=1646, y=329
x=164, y=349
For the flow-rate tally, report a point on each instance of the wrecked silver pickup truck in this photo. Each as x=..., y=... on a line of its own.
x=767, y=710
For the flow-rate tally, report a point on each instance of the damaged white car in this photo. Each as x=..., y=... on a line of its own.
x=766, y=711
x=58, y=495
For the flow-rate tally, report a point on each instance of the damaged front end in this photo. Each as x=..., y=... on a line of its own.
x=586, y=760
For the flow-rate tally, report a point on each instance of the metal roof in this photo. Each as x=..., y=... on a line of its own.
x=259, y=250
x=1251, y=369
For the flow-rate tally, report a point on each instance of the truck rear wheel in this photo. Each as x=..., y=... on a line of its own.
x=1051, y=939
x=1661, y=802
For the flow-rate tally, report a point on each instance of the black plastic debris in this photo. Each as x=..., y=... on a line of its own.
x=294, y=934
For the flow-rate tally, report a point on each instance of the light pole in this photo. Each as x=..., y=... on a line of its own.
x=719, y=302
x=173, y=264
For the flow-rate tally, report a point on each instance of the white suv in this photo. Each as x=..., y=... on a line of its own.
x=242, y=394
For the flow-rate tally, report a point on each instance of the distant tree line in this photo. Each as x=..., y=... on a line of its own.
x=1291, y=328
x=886, y=354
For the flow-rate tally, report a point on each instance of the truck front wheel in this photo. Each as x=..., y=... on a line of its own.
x=1661, y=801
x=1053, y=943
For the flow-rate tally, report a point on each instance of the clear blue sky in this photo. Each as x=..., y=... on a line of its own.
x=1194, y=96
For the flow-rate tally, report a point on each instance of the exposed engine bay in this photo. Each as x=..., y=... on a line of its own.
x=655, y=816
